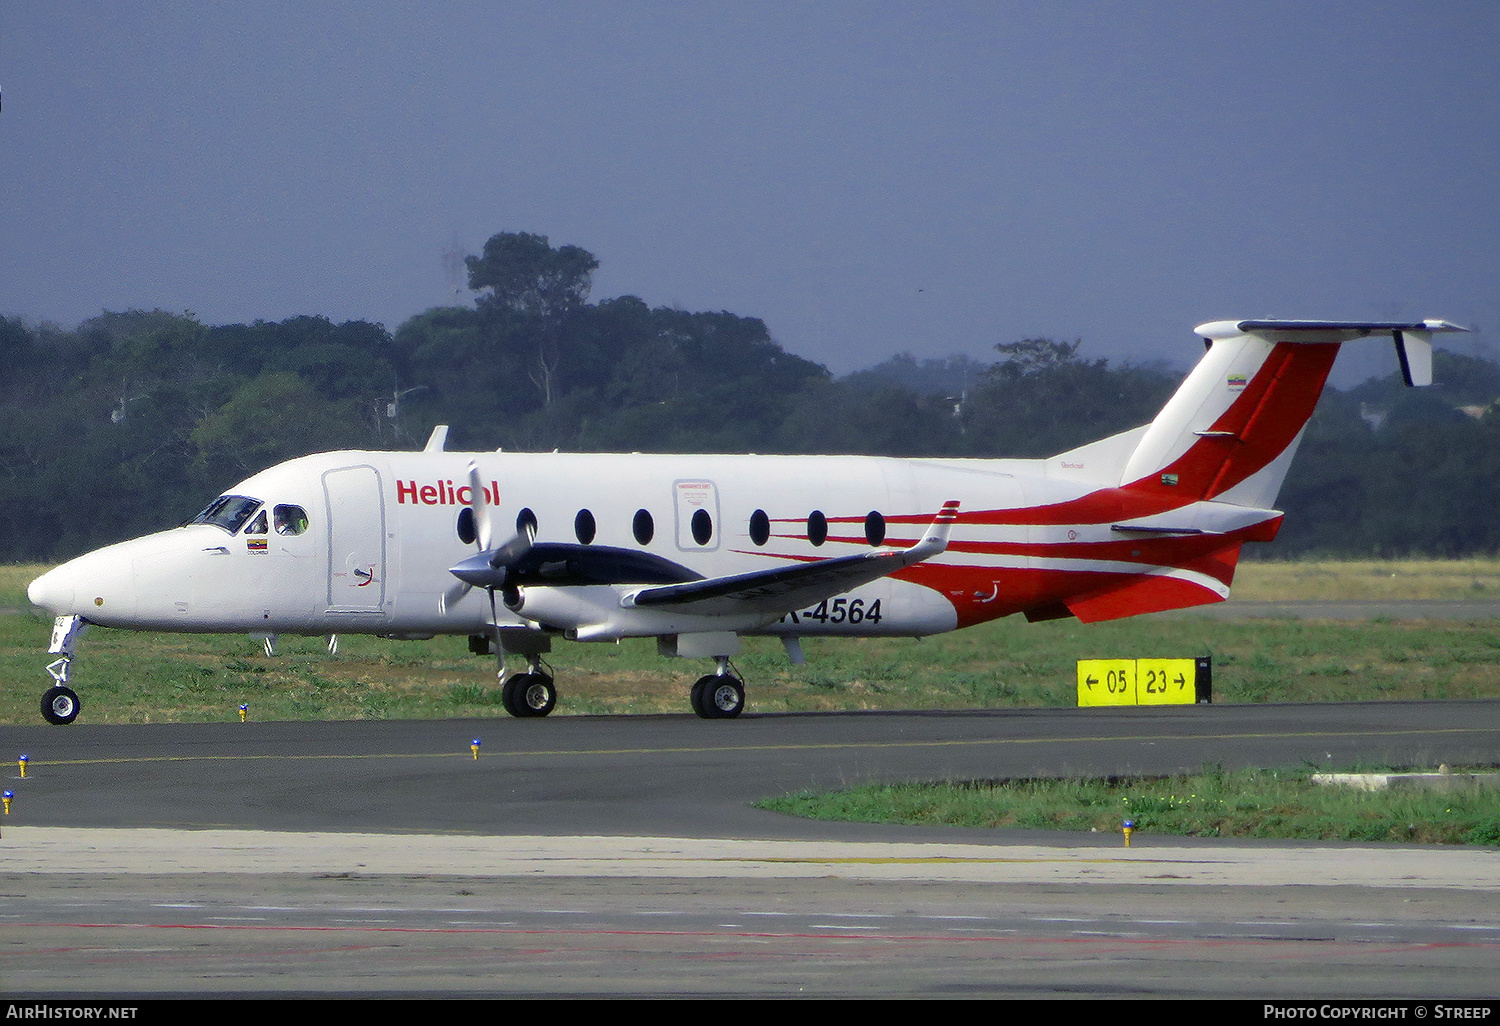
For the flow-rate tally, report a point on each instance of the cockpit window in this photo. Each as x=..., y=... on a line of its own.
x=258, y=525
x=228, y=512
x=291, y=519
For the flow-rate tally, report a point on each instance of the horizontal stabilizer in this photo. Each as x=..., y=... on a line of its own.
x=1357, y=329
x=1413, y=338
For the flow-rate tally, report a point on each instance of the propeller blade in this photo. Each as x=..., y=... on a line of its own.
x=481, y=508
x=511, y=551
x=451, y=597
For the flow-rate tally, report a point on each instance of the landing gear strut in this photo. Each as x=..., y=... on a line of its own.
x=719, y=695
x=60, y=703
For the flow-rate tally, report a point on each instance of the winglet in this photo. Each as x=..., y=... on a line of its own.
x=936, y=538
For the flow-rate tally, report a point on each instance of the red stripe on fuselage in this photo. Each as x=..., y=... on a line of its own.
x=979, y=594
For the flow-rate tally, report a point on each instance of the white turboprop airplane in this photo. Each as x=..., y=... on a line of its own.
x=697, y=550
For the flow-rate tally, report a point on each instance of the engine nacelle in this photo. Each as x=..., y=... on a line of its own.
x=605, y=613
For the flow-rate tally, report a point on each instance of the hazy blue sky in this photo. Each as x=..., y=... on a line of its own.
x=867, y=177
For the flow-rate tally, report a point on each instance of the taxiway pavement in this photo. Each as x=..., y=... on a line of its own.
x=623, y=855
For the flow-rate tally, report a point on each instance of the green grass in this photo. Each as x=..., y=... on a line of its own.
x=1247, y=803
x=129, y=677
x=13, y=581
x=132, y=678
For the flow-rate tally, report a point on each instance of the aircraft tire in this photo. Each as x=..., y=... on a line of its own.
x=60, y=705
x=696, y=695
x=717, y=697
x=529, y=695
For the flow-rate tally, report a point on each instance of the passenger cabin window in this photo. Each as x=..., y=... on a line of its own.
x=584, y=527
x=526, y=523
x=760, y=527
x=643, y=527
x=874, y=528
x=703, y=527
x=466, y=529
x=227, y=512
x=817, y=527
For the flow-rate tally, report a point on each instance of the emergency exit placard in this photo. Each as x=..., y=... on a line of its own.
x=1144, y=681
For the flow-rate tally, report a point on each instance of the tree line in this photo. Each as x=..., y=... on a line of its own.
x=132, y=421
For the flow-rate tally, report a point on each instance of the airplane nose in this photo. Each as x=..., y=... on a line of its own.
x=53, y=591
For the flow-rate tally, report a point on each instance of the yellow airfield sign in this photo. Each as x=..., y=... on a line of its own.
x=1106, y=682
x=1144, y=681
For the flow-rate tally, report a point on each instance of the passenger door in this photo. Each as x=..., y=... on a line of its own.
x=355, y=508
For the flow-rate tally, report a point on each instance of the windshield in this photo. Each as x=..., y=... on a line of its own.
x=227, y=511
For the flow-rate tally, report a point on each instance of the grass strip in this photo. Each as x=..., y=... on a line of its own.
x=126, y=677
x=1274, y=804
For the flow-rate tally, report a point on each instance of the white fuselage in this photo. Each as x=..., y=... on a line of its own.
x=382, y=533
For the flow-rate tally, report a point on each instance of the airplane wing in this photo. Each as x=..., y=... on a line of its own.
x=785, y=588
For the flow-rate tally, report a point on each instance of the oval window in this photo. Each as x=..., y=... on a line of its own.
x=643, y=527
x=466, y=529
x=817, y=527
x=874, y=528
x=526, y=523
x=760, y=527
x=583, y=526
x=703, y=527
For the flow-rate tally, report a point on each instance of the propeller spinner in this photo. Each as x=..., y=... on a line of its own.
x=486, y=569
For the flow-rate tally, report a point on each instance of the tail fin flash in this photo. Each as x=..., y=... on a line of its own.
x=1231, y=429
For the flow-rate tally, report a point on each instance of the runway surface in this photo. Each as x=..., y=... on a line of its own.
x=621, y=855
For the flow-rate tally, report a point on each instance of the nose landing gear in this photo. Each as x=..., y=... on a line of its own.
x=60, y=703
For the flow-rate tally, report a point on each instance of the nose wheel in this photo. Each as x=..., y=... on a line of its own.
x=60, y=705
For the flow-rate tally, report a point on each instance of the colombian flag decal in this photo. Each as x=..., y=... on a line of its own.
x=256, y=545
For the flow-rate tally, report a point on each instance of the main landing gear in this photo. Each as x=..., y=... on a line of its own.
x=60, y=703
x=719, y=695
x=529, y=694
